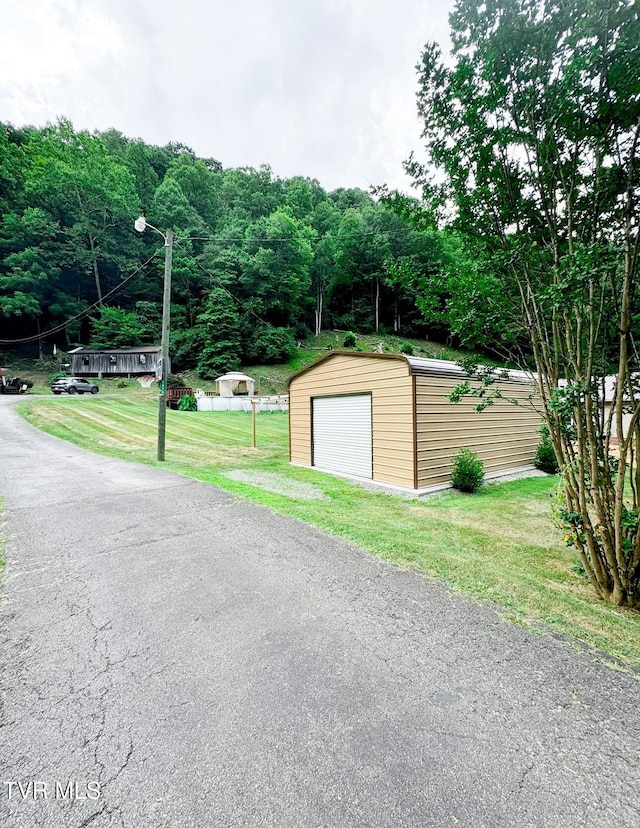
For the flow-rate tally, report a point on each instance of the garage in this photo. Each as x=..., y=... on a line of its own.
x=342, y=434
x=387, y=418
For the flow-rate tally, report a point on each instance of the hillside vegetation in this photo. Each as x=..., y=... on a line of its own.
x=270, y=379
x=259, y=263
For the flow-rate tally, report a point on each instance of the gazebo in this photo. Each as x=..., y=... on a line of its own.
x=234, y=384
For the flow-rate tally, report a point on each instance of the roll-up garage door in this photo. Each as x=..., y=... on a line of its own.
x=342, y=434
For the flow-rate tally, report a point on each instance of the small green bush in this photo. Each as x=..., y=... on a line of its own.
x=468, y=471
x=56, y=375
x=545, y=459
x=122, y=384
x=187, y=403
x=406, y=348
x=350, y=340
x=270, y=345
x=175, y=381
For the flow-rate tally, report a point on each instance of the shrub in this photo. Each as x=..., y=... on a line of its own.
x=406, y=348
x=545, y=459
x=468, y=471
x=271, y=345
x=122, y=384
x=350, y=340
x=56, y=375
x=175, y=381
x=187, y=403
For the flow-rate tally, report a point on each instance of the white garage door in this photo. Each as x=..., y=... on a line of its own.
x=342, y=434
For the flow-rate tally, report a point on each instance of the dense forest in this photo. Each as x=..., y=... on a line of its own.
x=259, y=262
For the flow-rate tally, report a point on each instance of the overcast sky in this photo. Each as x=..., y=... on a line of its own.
x=320, y=88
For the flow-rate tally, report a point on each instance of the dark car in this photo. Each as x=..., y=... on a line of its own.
x=74, y=385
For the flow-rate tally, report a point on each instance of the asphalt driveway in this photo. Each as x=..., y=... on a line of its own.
x=173, y=656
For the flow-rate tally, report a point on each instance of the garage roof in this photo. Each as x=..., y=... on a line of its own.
x=418, y=366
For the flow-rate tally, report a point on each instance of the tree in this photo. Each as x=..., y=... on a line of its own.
x=119, y=328
x=536, y=125
x=73, y=177
x=219, y=335
x=116, y=328
x=276, y=266
x=362, y=248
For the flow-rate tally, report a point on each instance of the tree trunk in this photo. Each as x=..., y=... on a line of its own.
x=96, y=272
x=319, y=303
x=40, y=355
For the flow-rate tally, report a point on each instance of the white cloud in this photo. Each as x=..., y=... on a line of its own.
x=324, y=88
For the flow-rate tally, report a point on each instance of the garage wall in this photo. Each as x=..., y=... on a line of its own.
x=505, y=436
x=391, y=387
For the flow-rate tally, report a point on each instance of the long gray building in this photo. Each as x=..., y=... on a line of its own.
x=115, y=362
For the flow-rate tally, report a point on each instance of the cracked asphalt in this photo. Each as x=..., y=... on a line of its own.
x=199, y=661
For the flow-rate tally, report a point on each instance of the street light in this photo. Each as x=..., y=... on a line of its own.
x=141, y=225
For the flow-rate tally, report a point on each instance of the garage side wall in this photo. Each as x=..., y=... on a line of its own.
x=391, y=389
x=505, y=436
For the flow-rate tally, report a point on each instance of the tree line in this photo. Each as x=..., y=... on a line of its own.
x=259, y=261
x=533, y=122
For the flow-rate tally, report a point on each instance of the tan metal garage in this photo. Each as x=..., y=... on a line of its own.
x=387, y=418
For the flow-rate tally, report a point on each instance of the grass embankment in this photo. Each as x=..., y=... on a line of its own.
x=497, y=545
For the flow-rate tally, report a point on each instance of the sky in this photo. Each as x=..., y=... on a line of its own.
x=320, y=88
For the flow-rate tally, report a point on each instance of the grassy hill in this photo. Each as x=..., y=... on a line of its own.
x=272, y=379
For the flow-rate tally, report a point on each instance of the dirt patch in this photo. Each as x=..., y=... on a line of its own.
x=277, y=483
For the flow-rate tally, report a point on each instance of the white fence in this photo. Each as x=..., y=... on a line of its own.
x=278, y=402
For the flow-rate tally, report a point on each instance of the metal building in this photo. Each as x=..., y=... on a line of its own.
x=387, y=418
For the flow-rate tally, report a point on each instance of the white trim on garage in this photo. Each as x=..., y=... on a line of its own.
x=342, y=434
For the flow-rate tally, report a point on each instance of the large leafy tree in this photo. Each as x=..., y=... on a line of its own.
x=278, y=256
x=73, y=177
x=535, y=123
x=218, y=333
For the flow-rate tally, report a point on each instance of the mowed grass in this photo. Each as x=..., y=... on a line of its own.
x=497, y=545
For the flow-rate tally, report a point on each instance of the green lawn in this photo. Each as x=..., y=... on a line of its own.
x=497, y=545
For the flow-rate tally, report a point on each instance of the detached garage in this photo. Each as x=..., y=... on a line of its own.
x=387, y=418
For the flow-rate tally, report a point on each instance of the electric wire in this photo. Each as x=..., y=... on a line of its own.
x=315, y=239
x=220, y=239
x=84, y=312
x=223, y=287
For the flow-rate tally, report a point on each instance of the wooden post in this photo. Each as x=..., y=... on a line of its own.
x=253, y=422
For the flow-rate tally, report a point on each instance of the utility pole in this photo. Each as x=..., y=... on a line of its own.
x=166, y=324
x=141, y=225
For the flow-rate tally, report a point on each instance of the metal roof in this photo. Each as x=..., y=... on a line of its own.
x=143, y=349
x=418, y=366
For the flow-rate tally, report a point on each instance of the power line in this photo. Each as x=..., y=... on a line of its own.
x=336, y=236
x=224, y=288
x=221, y=239
x=82, y=313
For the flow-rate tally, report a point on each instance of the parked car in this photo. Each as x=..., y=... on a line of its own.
x=74, y=385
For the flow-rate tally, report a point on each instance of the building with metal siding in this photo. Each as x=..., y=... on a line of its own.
x=115, y=362
x=402, y=402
